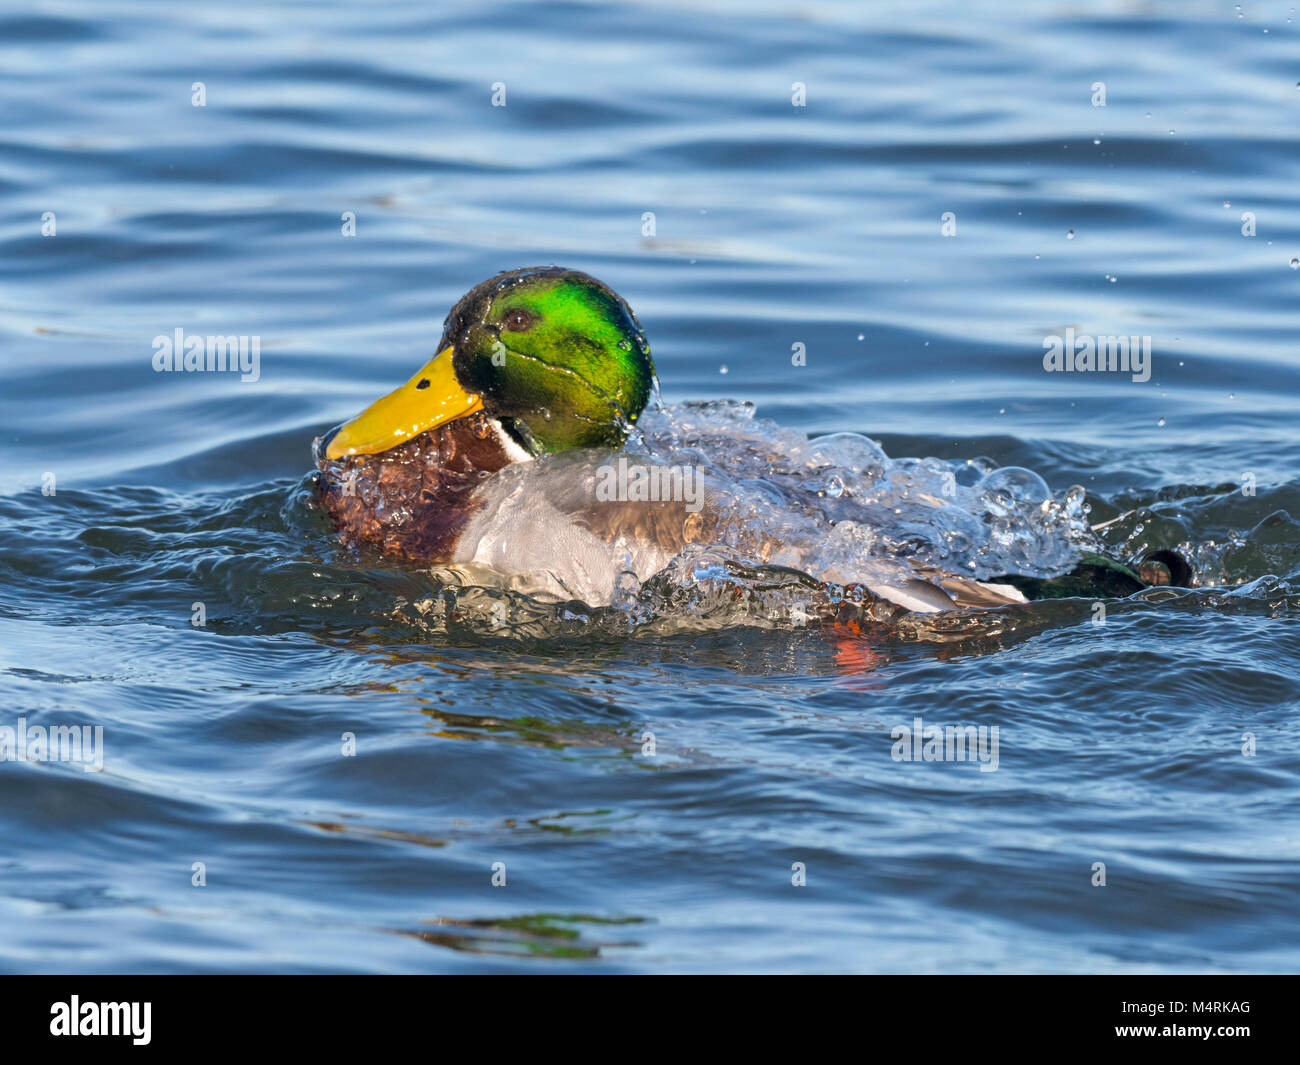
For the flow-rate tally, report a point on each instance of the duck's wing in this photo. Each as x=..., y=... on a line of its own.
x=930, y=591
x=663, y=529
x=667, y=526
x=671, y=526
x=961, y=593
x=926, y=590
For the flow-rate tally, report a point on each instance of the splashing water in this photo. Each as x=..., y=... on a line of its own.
x=835, y=508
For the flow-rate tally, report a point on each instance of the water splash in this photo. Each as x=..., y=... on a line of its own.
x=835, y=508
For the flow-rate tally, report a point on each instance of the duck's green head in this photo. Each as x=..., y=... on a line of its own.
x=555, y=356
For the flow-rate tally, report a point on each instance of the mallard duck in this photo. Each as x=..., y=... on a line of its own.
x=546, y=361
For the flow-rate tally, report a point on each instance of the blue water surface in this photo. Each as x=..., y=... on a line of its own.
x=751, y=177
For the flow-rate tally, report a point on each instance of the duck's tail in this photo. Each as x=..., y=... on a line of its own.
x=1099, y=577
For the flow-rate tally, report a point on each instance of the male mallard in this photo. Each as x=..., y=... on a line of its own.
x=548, y=361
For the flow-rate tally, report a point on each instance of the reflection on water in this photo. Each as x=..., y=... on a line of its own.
x=548, y=935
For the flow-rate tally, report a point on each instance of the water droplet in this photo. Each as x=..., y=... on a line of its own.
x=1295, y=264
x=1160, y=422
x=722, y=368
x=1232, y=395
x=1069, y=235
x=862, y=336
x=1227, y=204
x=546, y=414
x=1171, y=133
x=1006, y=490
x=1096, y=140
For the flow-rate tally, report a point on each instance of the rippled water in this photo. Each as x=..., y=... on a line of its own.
x=130, y=496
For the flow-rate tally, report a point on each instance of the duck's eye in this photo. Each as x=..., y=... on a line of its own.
x=517, y=320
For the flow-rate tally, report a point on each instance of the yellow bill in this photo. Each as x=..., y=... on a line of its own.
x=431, y=398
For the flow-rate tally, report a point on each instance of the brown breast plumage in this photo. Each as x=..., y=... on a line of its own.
x=414, y=499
